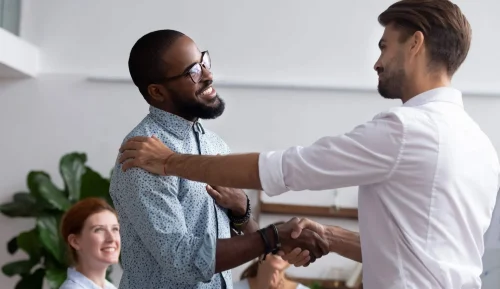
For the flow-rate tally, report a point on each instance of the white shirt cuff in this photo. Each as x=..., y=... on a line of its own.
x=271, y=173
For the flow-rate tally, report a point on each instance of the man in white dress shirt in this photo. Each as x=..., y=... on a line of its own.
x=427, y=174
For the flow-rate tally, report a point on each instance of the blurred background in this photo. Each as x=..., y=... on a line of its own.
x=290, y=72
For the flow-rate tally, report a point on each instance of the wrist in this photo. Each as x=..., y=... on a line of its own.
x=270, y=240
x=167, y=164
x=239, y=219
x=241, y=210
x=331, y=235
x=274, y=238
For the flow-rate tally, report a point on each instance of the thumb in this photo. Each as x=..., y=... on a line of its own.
x=301, y=225
x=297, y=227
x=212, y=192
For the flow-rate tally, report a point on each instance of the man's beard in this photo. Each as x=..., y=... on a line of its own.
x=391, y=86
x=196, y=109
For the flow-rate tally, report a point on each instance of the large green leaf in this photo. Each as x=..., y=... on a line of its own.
x=23, y=205
x=18, y=267
x=94, y=185
x=43, y=189
x=72, y=168
x=49, y=262
x=55, y=277
x=32, y=281
x=28, y=241
x=109, y=271
x=12, y=245
x=48, y=233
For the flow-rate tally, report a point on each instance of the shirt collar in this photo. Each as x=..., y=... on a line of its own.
x=82, y=280
x=175, y=124
x=441, y=94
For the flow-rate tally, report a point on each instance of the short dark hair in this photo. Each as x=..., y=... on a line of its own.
x=144, y=63
x=446, y=30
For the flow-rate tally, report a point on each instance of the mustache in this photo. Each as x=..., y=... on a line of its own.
x=380, y=70
x=206, y=84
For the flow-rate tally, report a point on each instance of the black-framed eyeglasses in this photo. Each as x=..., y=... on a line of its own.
x=195, y=71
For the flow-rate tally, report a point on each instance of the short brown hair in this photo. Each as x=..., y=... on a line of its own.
x=73, y=220
x=446, y=30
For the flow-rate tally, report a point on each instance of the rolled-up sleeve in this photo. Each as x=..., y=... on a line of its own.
x=150, y=203
x=367, y=154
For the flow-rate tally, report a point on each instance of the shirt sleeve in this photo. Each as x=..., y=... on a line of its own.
x=367, y=154
x=150, y=203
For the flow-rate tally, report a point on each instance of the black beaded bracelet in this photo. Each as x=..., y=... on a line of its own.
x=277, y=241
x=267, y=246
x=239, y=221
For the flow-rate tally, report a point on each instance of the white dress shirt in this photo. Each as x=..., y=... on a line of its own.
x=243, y=284
x=428, y=178
x=76, y=280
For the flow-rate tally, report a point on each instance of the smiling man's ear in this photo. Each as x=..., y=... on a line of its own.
x=157, y=92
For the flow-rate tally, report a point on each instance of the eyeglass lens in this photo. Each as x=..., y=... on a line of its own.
x=196, y=72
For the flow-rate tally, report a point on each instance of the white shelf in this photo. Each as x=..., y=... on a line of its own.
x=18, y=58
x=303, y=84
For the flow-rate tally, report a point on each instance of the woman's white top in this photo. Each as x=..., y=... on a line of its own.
x=243, y=284
x=77, y=280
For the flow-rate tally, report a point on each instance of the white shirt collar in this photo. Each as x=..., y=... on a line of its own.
x=85, y=282
x=441, y=94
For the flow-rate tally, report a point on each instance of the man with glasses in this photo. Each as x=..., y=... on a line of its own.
x=174, y=234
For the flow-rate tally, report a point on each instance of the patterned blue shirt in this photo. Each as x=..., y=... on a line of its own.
x=169, y=225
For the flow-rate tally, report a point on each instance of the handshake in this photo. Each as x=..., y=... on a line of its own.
x=299, y=241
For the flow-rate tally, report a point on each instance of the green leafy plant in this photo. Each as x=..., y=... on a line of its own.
x=47, y=203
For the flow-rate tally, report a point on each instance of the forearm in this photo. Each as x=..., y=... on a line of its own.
x=235, y=171
x=238, y=250
x=250, y=227
x=344, y=242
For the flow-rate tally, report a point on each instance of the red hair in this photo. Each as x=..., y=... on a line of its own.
x=74, y=219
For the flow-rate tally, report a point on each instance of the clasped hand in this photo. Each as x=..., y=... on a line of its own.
x=302, y=241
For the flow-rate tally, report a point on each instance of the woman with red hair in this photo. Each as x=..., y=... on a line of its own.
x=91, y=231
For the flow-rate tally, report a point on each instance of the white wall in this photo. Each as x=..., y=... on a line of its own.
x=318, y=42
x=59, y=112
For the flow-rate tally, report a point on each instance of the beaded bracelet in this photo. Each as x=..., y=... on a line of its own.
x=240, y=221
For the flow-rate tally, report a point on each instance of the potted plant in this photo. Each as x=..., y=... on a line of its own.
x=46, y=204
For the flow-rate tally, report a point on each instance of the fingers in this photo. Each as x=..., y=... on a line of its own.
x=303, y=259
x=135, y=142
x=305, y=223
x=127, y=155
x=297, y=227
x=129, y=164
x=140, y=138
x=212, y=192
x=290, y=256
x=130, y=145
x=296, y=257
x=312, y=241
